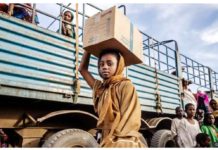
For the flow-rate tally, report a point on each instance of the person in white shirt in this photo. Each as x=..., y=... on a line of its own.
x=188, y=128
x=188, y=96
x=176, y=122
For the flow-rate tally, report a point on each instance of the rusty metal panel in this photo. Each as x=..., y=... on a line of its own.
x=85, y=90
x=36, y=59
x=144, y=79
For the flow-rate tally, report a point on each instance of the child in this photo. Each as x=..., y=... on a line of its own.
x=188, y=128
x=176, y=122
x=67, y=28
x=115, y=101
x=209, y=128
x=203, y=140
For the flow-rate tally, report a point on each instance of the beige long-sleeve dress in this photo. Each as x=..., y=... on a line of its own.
x=119, y=110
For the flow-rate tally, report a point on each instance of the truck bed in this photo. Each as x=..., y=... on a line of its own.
x=36, y=63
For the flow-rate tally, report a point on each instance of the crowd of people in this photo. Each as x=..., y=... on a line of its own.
x=24, y=12
x=197, y=127
x=20, y=11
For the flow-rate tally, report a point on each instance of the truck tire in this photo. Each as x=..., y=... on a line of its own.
x=162, y=138
x=71, y=138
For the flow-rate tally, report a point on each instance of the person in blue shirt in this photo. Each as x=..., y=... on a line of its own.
x=22, y=12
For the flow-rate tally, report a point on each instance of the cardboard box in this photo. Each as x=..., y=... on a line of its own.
x=112, y=29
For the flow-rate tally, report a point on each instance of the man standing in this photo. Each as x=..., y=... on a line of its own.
x=176, y=122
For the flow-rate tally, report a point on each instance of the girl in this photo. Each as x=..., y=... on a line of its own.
x=115, y=101
x=188, y=128
x=209, y=128
x=67, y=28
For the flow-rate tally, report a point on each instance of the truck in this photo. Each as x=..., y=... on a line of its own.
x=44, y=101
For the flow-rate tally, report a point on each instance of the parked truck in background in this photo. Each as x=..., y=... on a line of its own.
x=41, y=99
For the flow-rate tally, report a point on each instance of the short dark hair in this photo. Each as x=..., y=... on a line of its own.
x=114, y=52
x=177, y=108
x=188, y=105
x=201, y=137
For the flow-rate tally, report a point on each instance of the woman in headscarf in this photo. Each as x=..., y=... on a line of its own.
x=210, y=129
x=67, y=27
x=115, y=101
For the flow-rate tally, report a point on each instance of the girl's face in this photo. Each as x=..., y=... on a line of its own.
x=107, y=66
x=67, y=16
x=191, y=111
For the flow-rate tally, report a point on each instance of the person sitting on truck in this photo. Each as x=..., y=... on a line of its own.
x=175, y=122
x=209, y=128
x=202, y=101
x=188, y=128
x=188, y=96
x=21, y=11
x=67, y=28
x=115, y=101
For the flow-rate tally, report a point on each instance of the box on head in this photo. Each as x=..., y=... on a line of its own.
x=112, y=29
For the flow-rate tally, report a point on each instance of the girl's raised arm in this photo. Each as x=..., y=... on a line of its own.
x=83, y=69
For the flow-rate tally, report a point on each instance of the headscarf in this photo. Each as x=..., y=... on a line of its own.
x=72, y=16
x=119, y=113
x=106, y=91
x=118, y=75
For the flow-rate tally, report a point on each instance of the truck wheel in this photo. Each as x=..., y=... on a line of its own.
x=71, y=138
x=162, y=138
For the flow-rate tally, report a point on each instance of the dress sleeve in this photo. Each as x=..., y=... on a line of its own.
x=182, y=134
x=96, y=86
x=204, y=129
x=199, y=129
x=130, y=109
